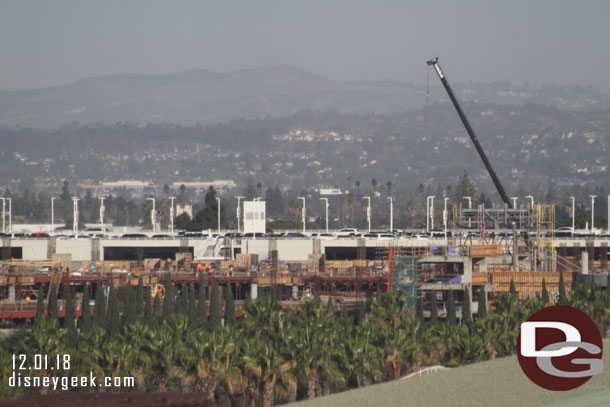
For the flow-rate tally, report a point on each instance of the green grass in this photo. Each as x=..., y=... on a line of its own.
x=494, y=383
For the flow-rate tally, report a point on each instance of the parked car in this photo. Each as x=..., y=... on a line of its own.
x=346, y=232
x=295, y=235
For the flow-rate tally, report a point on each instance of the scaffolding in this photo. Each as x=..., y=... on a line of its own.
x=485, y=219
x=543, y=253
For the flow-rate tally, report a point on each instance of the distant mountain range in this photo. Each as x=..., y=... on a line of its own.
x=205, y=97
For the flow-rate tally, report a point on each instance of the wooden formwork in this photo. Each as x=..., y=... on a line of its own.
x=487, y=250
x=530, y=282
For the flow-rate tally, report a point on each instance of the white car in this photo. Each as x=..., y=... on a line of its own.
x=346, y=232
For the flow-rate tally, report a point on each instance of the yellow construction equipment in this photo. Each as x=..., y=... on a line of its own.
x=158, y=289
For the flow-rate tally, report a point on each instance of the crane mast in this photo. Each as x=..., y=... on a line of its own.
x=473, y=137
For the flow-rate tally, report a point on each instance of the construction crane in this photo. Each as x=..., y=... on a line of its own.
x=473, y=137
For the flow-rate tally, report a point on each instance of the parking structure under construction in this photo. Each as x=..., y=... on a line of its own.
x=480, y=248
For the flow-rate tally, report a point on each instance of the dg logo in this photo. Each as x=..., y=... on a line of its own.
x=560, y=348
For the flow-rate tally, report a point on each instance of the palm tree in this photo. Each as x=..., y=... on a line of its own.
x=266, y=367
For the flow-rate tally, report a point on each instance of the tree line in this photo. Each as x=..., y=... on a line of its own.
x=268, y=356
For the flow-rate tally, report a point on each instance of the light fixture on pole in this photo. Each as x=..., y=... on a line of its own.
x=326, y=200
x=52, y=214
x=303, y=212
x=368, y=211
x=391, y=214
x=238, y=213
x=573, y=212
x=218, y=200
x=102, y=211
x=75, y=215
x=592, y=211
x=153, y=215
x=171, y=214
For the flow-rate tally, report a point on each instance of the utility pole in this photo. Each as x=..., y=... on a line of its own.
x=102, y=210
x=75, y=216
x=368, y=211
x=391, y=214
x=239, y=214
x=303, y=211
x=326, y=201
x=171, y=214
x=52, y=214
x=153, y=215
x=218, y=200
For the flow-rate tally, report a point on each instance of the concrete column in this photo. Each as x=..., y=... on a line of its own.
x=591, y=251
x=295, y=291
x=11, y=292
x=253, y=291
x=584, y=262
x=468, y=271
x=317, y=246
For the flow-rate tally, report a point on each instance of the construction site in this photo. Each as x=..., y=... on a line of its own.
x=481, y=248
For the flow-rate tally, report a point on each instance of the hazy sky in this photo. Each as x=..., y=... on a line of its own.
x=45, y=43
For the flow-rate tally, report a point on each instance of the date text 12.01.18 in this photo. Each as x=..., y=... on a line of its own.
x=41, y=362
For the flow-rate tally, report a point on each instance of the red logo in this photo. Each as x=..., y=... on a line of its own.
x=560, y=348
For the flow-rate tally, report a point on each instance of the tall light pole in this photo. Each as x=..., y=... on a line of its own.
x=391, y=214
x=469, y=207
x=609, y=214
x=326, y=200
x=303, y=211
x=52, y=214
x=432, y=212
x=531, y=197
x=218, y=200
x=445, y=217
x=429, y=213
x=153, y=215
x=10, y=215
x=238, y=212
x=3, y=214
x=573, y=212
x=102, y=211
x=171, y=213
x=592, y=212
x=75, y=216
x=368, y=211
